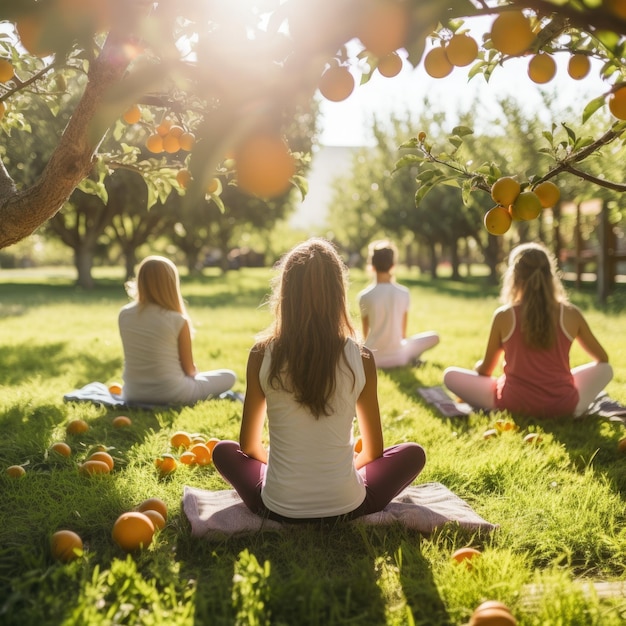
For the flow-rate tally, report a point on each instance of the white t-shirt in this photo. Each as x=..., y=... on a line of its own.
x=310, y=469
x=385, y=305
x=152, y=369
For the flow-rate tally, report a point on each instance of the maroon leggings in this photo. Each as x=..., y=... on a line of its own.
x=384, y=477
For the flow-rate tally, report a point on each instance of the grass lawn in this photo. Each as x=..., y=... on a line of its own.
x=560, y=505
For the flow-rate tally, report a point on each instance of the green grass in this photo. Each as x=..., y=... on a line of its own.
x=559, y=505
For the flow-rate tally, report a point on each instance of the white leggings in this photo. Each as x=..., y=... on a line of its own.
x=411, y=349
x=480, y=391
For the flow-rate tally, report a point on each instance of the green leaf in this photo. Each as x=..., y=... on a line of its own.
x=408, y=160
x=548, y=136
x=411, y=144
x=462, y=131
x=457, y=142
x=592, y=107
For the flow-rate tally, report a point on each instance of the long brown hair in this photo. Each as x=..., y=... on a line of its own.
x=311, y=324
x=532, y=281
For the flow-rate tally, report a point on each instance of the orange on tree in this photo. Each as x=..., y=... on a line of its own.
x=461, y=50
x=505, y=190
x=6, y=71
x=527, y=206
x=617, y=103
x=617, y=7
x=336, y=83
x=176, y=130
x=187, y=141
x=511, y=33
x=578, y=66
x=66, y=545
x=154, y=143
x=548, y=194
x=31, y=29
x=383, y=26
x=132, y=115
x=497, y=220
x=171, y=143
x=214, y=186
x=132, y=531
x=390, y=65
x=541, y=68
x=436, y=63
x=264, y=165
x=183, y=178
x=164, y=127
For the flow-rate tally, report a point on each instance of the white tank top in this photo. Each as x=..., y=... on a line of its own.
x=310, y=469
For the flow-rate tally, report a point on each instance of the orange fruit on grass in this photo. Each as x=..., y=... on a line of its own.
x=548, y=194
x=121, y=421
x=390, y=65
x=132, y=115
x=92, y=467
x=6, y=71
x=166, y=464
x=77, y=426
x=617, y=103
x=527, y=206
x=337, y=83
x=465, y=555
x=264, y=165
x=16, y=471
x=105, y=457
x=383, y=26
x=187, y=141
x=187, y=458
x=155, y=517
x=504, y=425
x=541, y=68
x=497, y=220
x=60, y=447
x=180, y=439
x=511, y=33
x=65, y=545
x=198, y=438
x=154, y=143
x=202, y=453
x=578, y=66
x=156, y=504
x=492, y=613
x=491, y=432
x=211, y=443
x=533, y=438
x=621, y=444
x=461, y=50
x=115, y=389
x=132, y=531
x=436, y=63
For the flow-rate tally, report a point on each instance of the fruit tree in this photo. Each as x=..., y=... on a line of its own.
x=216, y=83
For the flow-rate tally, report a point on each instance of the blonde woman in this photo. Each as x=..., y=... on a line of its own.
x=156, y=337
x=310, y=377
x=534, y=331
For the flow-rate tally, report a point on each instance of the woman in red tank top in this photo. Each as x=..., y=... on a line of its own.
x=533, y=331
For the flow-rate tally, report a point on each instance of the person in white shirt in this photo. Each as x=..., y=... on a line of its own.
x=384, y=307
x=309, y=377
x=156, y=337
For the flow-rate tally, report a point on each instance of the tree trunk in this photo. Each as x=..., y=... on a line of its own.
x=433, y=259
x=22, y=212
x=454, y=260
x=83, y=260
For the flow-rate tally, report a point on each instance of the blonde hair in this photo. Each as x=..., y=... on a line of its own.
x=382, y=255
x=532, y=281
x=157, y=282
x=311, y=324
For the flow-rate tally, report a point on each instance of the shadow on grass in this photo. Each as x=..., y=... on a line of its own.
x=317, y=575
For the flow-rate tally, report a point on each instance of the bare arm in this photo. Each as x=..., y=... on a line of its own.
x=368, y=415
x=493, y=352
x=405, y=323
x=254, y=409
x=365, y=321
x=184, y=351
x=585, y=336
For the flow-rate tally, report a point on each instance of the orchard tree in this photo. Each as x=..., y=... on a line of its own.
x=229, y=76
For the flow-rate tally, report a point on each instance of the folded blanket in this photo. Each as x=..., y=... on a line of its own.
x=98, y=393
x=439, y=398
x=216, y=514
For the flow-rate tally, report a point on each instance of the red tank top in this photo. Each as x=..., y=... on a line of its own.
x=537, y=382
